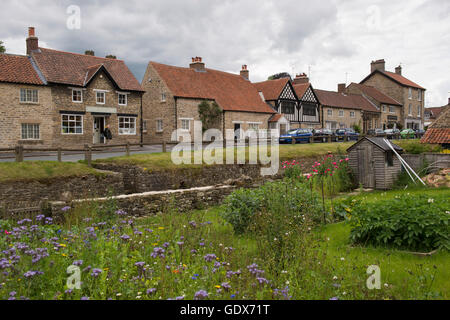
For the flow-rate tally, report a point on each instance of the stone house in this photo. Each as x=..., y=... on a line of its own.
x=439, y=131
x=395, y=85
x=343, y=110
x=295, y=100
x=390, y=109
x=66, y=99
x=173, y=95
x=431, y=114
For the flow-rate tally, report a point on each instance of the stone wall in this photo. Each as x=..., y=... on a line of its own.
x=137, y=179
x=14, y=195
x=149, y=203
x=346, y=120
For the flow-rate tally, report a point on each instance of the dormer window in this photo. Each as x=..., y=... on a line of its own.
x=77, y=95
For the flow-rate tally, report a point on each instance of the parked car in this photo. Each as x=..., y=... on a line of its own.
x=375, y=132
x=340, y=134
x=419, y=132
x=322, y=134
x=408, y=134
x=299, y=135
x=390, y=133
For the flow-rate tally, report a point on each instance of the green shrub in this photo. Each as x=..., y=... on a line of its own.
x=405, y=222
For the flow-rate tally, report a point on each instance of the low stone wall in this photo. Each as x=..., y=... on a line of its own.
x=148, y=203
x=437, y=161
x=21, y=194
x=138, y=180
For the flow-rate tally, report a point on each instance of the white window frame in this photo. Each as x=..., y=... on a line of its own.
x=330, y=112
x=29, y=93
x=144, y=125
x=33, y=131
x=126, y=98
x=96, y=96
x=391, y=109
x=254, y=126
x=419, y=95
x=163, y=96
x=410, y=93
x=69, y=120
x=352, y=114
x=410, y=110
x=158, y=127
x=121, y=130
x=383, y=108
x=81, y=94
x=341, y=112
x=188, y=121
x=419, y=111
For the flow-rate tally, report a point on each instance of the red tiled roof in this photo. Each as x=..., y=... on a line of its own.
x=402, y=80
x=300, y=89
x=275, y=118
x=72, y=68
x=435, y=111
x=271, y=89
x=18, y=69
x=439, y=130
x=437, y=136
x=231, y=91
x=376, y=94
x=349, y=101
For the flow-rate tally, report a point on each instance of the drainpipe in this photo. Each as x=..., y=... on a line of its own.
x=142, y=123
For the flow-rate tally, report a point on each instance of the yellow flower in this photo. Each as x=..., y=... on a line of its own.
x=155, y=244
x=64, y=255
x=106, y=269
x=218, y=287
x=348, y=209
x=161, y=228
x=62, y=245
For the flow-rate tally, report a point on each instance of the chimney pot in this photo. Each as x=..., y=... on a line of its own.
x=341, y=87
x=197, y=64
x=398, y=70
x=244, y=72
x=378, y=65
x=301, y=78
x=31, y=32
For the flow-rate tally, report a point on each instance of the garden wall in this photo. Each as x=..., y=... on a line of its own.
x=439, y=160
x=138, y=180
x=23, y=194
x=148, y=203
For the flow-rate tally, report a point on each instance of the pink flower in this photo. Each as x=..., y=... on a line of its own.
x=6, y=232
x=346, y=159
x=334, y=163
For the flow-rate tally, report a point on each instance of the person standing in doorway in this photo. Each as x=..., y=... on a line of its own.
x=107, y=134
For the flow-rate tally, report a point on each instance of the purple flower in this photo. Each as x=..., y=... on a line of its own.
x=77, y=262
x=66, y=208
x=193, y=224
x=151, y=291
x=165, y=244
x=262, y=280
x=210, y=257
x=158, y=252
x=40, y=217
x=334, y=298
x=96, y=272
x=180, y=243
x=23, y=221
x=121, y=213
x=226, y=286
x=125, y=237
x=200, y=295
x=139, y=264
x=253, y=269
x=30, y=274
x=84, y=298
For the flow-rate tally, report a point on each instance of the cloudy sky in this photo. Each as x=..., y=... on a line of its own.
x=332, y=40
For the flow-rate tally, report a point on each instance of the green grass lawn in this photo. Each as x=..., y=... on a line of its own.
x=37, y=170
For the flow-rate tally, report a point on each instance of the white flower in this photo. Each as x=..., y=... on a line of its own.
x=342, y=259
x=328, y=239
x=138, y=297
x=430, y=200
x=335, y=278
x=344, y=293
x=287, y=282
x=139, y=293
x=386, y=285
x=119, y=294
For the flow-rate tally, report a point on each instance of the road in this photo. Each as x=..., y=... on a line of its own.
x=76, y=156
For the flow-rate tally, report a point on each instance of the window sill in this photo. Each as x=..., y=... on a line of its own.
x=35, y=103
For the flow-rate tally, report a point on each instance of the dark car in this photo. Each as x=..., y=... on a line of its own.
x=340, y=134
x=299, y=135
x=419, y=132
x=375, y=132
x=392, y=133
x=322, y=134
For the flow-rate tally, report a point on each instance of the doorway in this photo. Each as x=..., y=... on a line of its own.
x=237, y=131
x=99, y=126
x=366, y=167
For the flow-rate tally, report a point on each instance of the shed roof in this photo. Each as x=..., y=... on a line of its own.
x=379, y=142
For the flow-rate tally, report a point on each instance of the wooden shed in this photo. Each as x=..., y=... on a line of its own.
x=374, y=163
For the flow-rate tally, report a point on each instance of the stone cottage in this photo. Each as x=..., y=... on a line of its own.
x=56, y=98
x=395, y=85
x=173, y=95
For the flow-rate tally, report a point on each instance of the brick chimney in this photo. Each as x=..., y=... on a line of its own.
x=398, y=70
x=197, y=64
x=341, y=87
x=32, y=41
x=244, y=72
x=301, y=78
x=378, y=65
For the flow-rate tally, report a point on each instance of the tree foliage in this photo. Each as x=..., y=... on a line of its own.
x=279, y=76
x=2, y=47
x=111, y=56
x=209, y=114
x=89, y=52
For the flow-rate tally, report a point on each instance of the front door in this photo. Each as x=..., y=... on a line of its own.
x=365, y=167
x=99, y=126
x=237, y=131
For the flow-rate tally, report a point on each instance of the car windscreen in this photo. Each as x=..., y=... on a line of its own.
x=292, y=131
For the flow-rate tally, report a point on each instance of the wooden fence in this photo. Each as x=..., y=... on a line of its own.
x=88, y=150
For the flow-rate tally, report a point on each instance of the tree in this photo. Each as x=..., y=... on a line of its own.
x=209, y=114
x=2, y=47
x=111, y=56
x=89, y=52
x=279, y=76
